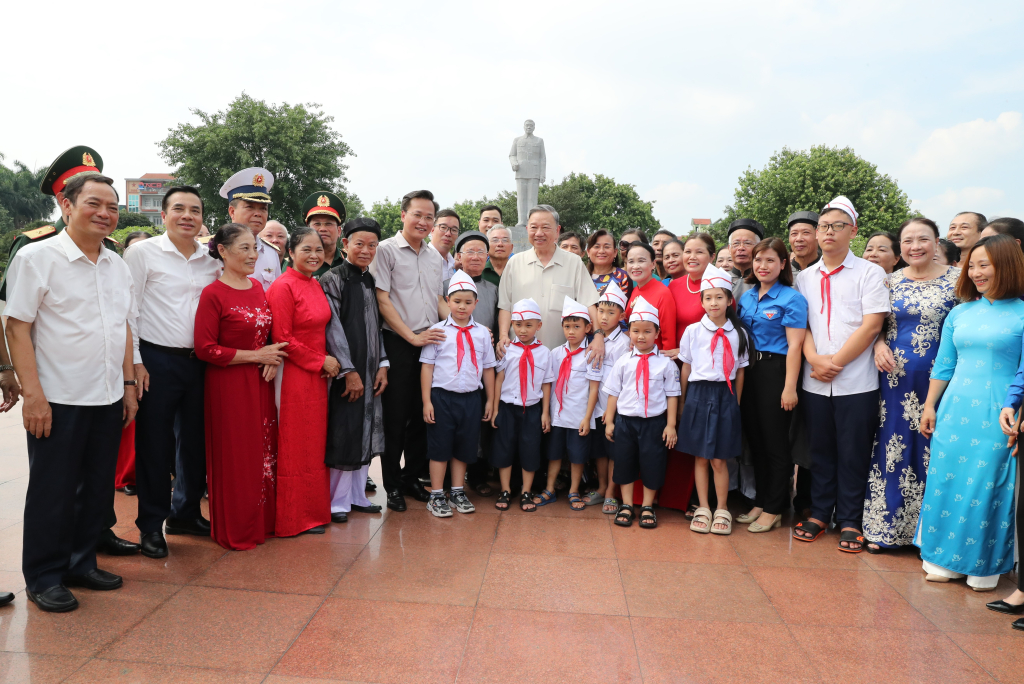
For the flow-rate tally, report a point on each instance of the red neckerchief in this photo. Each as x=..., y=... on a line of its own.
x=826, y=295
x=643, y=368
x=563, y=374
x=526, y=363
x=464, y=333
x=727, y=359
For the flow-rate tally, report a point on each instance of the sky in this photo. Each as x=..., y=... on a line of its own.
x=677, y=98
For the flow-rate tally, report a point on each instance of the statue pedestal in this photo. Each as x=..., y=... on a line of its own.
x=520, y=241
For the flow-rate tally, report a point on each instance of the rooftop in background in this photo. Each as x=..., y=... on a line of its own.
x=157, y=176
x=145, y=194
x=700, y=222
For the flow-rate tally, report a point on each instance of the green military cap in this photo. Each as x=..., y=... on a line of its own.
x=326, y=203
x=73, y=162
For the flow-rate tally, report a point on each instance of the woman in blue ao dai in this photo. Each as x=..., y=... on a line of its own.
x=966, y=525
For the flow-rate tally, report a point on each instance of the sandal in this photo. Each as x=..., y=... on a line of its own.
x=546, y=497
x=593, y=498
x=574, y=499
x=851, y=537
x=722, y=514
x=624, y=516
x=483, y=489
x=876, y=550
x=611, y=506
x=502, y=503
x=701, y=515
x=812, y=528
x=527, y=500
x=648, y=520
x=690, y=511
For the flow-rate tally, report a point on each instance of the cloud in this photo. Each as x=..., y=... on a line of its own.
x=967, y=146
x=944, y=206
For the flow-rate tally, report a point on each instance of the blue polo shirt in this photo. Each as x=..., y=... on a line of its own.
x=768, y=317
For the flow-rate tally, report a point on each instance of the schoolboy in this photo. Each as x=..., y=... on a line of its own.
x=451, y=377
x=847, y=303
x=522, y=404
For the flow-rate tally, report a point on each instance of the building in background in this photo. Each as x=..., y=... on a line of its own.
x=144, y=195
x=700, y=225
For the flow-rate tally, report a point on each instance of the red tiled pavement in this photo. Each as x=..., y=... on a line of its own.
x=500, y=597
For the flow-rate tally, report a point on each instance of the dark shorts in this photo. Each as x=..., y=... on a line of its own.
x=567, y=443
x=710, y=426
x=518, y=434
x=456, y=428
x=640, y=453
x=600, y=447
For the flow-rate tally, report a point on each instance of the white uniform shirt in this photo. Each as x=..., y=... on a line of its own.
x=510, y=390
x=695, y=349
x=577, y=389
x=448, y=270
x=268, y=264
x=444, y=356
x=167, y=289
x=856, y=290
x=663, y=383
x=79, y=312
x=616, y=346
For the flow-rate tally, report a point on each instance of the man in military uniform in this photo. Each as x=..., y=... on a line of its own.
x=248, y=196
x=324, y=212
x=77, y=161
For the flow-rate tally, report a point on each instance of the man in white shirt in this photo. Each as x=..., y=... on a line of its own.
x=69, y=307
x=847, y=303
x=169, y=274
x=447, y=225
x=248, y=195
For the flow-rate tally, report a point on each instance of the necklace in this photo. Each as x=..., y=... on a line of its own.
x=688, y=285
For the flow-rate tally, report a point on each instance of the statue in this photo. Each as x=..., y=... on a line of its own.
x=529, y=162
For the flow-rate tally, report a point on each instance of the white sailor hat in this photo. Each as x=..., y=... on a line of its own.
x=461, y=281
x=573, y=308
x=525, y=310
x=252, y=184
x=842, y=204
x=613, y=293
x=715, y=277
x=643, y=311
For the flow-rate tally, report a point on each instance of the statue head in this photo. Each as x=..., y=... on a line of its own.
x=529, y=126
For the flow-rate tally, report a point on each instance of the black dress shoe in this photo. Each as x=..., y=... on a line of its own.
x=112, y=545
x=131, y=490
x=154, y=545
x=417, y=492
x=1018, y=624
x=98, y=580
x=372, y=508
x=54, y=600
x=396, y=501
x=339, y=517
x=319, y=529
x=1004, y=607
x=198, y=526
x=6, y=597
x=371, y=486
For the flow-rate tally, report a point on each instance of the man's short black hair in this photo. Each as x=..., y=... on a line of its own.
x=569, y=234
x=979, y=218
x=419, y=194
x=447, y=212
x=74, y=186
x=492, y=207
x=186, y=189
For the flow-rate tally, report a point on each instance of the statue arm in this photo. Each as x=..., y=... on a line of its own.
x=543, y=162
x=512, y=158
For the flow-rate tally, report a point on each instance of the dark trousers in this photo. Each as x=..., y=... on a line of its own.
x=842, y=430
x=477, y=472
x=70, y=486
x=404, y=429
x=170, y=437
x=766, y=425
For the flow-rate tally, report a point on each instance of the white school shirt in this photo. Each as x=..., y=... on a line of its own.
x=857, y=290
x=510, y=393
x=695, y=349
x=167, y=290
x=663, y=383
x=444, y=356
x=268, y=264
x=577, y=389
x=79, y=312
x=616, y=346
x=448, y=269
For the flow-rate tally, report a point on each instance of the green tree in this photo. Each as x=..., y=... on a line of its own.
x=20, y=196
x=7, y=235
x=388, y=215
x=295, y=142
x=806, y=180
x=128, y=219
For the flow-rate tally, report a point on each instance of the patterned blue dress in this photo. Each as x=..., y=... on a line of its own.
x=900, y=457
x=966, y=522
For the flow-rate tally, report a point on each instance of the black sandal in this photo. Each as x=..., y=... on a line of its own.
x=527, y=500
x=851, y=537
x=502, y=503
x=648, y=520
x=624, y=516
x=690, y=510
x=813, y=528
x=879, y=549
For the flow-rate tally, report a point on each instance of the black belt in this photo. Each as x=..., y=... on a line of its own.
x=769, y=355
x=188, y=353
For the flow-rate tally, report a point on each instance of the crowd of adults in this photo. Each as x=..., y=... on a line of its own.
x=266, y=367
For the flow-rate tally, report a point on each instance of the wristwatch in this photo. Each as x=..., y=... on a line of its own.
x=599, y=332
x=130, y=383
x=6, y=367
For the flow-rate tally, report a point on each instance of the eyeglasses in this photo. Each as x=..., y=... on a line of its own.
x=837, y=227
x=742, y=243
x=449, y=230
x=623, y=244
x=501, y=241
x=474, y=252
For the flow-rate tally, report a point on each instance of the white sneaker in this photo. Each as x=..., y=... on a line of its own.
x=438, y=505
x=461, y=502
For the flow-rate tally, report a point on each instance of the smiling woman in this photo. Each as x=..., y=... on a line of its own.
x=640, y=267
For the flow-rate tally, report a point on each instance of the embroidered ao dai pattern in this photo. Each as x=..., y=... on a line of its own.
x=966, y=522
x=900, y=458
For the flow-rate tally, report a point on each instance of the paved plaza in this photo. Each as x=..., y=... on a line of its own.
x=551, y=596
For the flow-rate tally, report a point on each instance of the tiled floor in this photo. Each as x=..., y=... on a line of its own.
x=500, y=597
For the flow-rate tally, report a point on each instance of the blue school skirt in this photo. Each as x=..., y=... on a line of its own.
x=710, y=426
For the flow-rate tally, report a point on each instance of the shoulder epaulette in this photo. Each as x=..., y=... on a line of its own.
x=112, y=240
x=204, y=239
x=271, y=245
x=37, y=233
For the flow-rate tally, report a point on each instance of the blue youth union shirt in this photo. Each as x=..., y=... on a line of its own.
x=768, y=317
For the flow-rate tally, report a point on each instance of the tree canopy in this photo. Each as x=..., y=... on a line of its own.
x=20, y=195
x=806, y=180
x=127, y=219
x=295, y=142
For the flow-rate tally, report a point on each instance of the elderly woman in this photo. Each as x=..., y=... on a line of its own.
x=233, y=321
x=884, y=249
x=301, y=314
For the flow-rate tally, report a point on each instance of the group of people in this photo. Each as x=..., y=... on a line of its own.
x=266, y=367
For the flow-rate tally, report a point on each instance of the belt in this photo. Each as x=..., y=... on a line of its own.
x=761, y=356
x=188, y=353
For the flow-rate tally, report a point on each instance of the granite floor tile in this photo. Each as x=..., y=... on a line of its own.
x=953, y=606
x=552, y=583
x=778, y=549
x=287, y=566
x=577, y=537
x=188, y=557
x=673, y=543
x=99, y=671
x=420, y=529
x=906, y=559
x=36, y=668
x=1002, y=655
